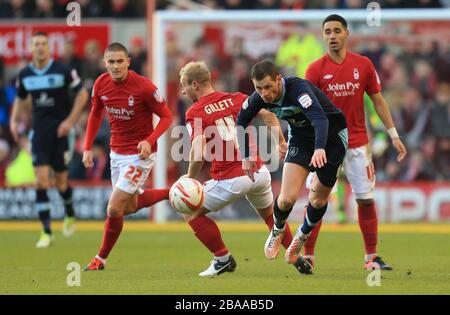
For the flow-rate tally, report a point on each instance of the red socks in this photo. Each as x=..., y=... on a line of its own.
x=287, y=239
x=151, y=196
x=113, y=227
x=207, y=231
x=310, y=243
x=368, y=223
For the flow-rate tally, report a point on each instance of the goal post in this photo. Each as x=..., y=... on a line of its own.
x=161, y=20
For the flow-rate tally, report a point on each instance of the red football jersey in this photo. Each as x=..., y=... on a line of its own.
x=345, y=85
x=130, y=105
x=214, y=116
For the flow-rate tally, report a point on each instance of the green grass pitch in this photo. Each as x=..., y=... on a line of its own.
x=167, y=261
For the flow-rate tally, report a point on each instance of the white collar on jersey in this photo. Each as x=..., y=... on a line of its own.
x=43, y=70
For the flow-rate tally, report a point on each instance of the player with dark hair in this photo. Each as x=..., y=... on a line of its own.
x=317, y=142
x=130, y=101
x=53, y=116
x=211, y=122
x=344, y=77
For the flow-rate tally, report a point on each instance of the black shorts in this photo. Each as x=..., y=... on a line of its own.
x=300, y=152
x=48, y=149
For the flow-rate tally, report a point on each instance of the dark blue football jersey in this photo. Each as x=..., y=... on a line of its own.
x=309, y=112
x=49, y=89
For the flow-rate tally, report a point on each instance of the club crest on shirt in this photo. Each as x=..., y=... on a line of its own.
x=131, y=100
x=355, y=74
x=293, y=151
x=305, y=100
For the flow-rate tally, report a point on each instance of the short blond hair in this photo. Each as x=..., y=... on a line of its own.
x=196, y=71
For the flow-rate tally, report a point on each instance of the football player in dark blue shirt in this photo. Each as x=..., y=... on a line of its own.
x=53, y=116
x=317, y=142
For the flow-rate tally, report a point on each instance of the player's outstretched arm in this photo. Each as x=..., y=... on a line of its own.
x=88, y=159
x=249, y=110
x=78, y=105
x=165, y=120
x=249, y=168
x=313, y=111
x=145, y=149
x=272, y=121
x=93, y=125
x=16, y=114
x=382, y=109
x=319, y=158
x=196, y=156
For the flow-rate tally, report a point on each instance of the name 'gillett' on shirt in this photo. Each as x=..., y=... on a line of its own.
x=217, y=107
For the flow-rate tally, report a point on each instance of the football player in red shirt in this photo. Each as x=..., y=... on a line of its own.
x=130, y=101
x=344, y=77
x=211, y=122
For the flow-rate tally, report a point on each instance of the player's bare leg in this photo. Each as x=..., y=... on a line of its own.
x=65, y=191
x=207, y=231
x=148, y=198
x=43, y=205
x=118, y=203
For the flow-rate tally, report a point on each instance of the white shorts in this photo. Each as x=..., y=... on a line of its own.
x=129, y=172
x=220, y=193
x=360, y=172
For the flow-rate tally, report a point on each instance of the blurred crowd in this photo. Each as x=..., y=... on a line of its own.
x=415, y=75
x=295, y=4
x=57, y=8
x=15, y=158
x=136, y=8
